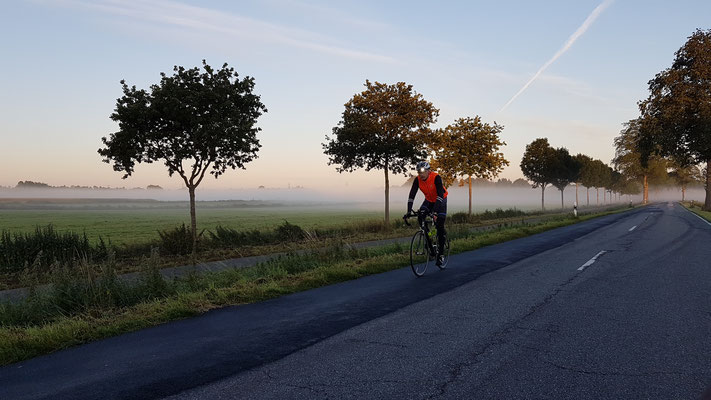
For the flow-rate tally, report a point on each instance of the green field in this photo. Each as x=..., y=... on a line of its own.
x=136, y=222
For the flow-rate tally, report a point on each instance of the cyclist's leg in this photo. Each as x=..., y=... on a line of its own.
x=427, y=207
x=441, y=217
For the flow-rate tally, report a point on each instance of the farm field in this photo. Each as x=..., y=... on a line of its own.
x=129, y=222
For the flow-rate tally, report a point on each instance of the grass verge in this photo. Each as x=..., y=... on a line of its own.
x=86, y=307
x=696, y=209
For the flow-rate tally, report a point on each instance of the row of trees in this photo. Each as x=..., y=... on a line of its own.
x=673, y=131
x=197, y=121
x=545, y=165
x=388, y=128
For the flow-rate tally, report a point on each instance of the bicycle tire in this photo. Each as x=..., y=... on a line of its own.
x=419, y=254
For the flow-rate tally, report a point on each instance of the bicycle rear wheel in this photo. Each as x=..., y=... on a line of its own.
x=419, y=254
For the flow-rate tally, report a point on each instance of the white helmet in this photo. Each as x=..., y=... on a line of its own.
x=422, y=166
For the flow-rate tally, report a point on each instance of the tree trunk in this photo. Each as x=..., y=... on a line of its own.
x=193, y=220
x=387, y=195
x=597, y=200
x=587, y=189
x=543, y=193
x=604, y=196
x=645, y=193
x=562, y=205
x=707, y=201
x=683, y=192
x=470, y=195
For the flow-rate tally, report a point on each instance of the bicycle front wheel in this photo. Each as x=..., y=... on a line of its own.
x=419, y=254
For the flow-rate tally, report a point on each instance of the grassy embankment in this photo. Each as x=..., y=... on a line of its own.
x=696, y=208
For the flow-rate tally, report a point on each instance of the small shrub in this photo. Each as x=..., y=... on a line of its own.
x=42, y=247
x=177, y=241
x=228, y=237
x=287, y=231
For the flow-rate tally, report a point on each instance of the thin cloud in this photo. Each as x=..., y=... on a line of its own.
x=579, y=32
x=200, y=19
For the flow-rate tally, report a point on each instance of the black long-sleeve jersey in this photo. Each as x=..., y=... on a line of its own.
x=440, y=193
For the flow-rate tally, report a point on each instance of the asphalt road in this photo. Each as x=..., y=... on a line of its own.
x=616, y=307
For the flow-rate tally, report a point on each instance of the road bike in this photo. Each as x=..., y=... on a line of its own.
x=423, y=247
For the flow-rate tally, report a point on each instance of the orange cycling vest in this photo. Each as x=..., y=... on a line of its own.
x=428, y=187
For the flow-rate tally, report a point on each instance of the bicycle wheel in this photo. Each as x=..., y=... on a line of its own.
x=446, y=254
x=419, y=254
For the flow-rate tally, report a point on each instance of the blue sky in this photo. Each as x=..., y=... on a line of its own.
x=63, y=60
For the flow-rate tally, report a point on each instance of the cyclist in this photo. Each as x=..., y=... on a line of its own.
x=430, y=183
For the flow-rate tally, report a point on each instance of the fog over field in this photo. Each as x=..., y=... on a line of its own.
x=483, y=197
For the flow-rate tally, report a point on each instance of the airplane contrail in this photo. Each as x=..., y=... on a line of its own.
x=579, y=32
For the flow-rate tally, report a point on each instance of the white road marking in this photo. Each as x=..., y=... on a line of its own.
x=591, y=261
x=633, y=228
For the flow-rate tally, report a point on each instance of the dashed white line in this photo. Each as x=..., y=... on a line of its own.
x=633, y=228
x=591, y=261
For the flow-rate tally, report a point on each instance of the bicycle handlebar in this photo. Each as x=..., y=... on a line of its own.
x=417, y=213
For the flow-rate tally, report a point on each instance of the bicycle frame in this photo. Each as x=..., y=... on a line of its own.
x=424, y=227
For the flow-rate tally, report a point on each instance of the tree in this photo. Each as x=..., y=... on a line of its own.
x=384, y=127
x=206, y=119
x=607, y=180
x=536, y=165
x=634, y=159
x=520, y=182
x=468, y=148
x=685, y=176
x=32, y=185
x=599, y=176
x=564, y=170
x=585, y=176
x=679, y=107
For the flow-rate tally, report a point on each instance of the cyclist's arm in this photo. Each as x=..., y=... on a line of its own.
x=413, y=193
x=440, y=194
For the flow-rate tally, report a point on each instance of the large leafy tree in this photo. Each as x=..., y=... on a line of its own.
x=194, y=121
x=585, y=177
x=598, y=177
x=537, y=163
x=468, y=148
x=679, y=106
x=384, y=127
x=635, y=159
x=684, y=176
x=564, y=170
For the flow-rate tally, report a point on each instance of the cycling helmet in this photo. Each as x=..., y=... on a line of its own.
x=422, y=166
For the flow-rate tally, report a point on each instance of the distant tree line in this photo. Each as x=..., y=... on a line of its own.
x=41, y=185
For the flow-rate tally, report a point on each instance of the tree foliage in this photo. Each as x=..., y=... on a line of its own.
x=678, y=110
x=537, y=165
x=205, y=119
x=469, y=147
x=564, y=170
x=384, y=127
x=635, y=159
x=536, y=162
